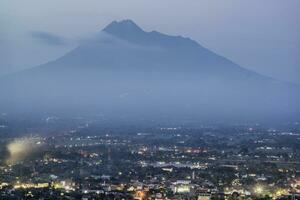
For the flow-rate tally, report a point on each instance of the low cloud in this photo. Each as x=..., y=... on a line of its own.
x=49, y=38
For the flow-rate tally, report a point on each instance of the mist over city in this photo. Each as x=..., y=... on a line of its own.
x=150, y=100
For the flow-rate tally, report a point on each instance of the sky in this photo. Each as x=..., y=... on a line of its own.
x=263, y=36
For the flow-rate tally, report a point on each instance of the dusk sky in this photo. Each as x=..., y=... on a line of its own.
x=263, y=36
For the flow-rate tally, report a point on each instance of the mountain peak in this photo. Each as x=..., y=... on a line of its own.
x=129, y=31
x=122, y=26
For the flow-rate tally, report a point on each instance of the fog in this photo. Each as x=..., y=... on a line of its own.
x=124, y=70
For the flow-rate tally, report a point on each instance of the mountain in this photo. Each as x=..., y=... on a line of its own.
x=124, y=69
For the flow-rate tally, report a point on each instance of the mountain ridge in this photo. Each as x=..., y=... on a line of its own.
x=127, y=30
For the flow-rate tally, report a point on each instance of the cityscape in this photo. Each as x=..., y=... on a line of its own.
x=89, y=160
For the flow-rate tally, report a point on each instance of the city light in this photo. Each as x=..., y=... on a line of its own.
x=259, y=189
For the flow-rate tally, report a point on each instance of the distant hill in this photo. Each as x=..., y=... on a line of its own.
x=124, y=69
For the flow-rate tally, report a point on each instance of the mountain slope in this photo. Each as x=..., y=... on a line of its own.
x=125, y=69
